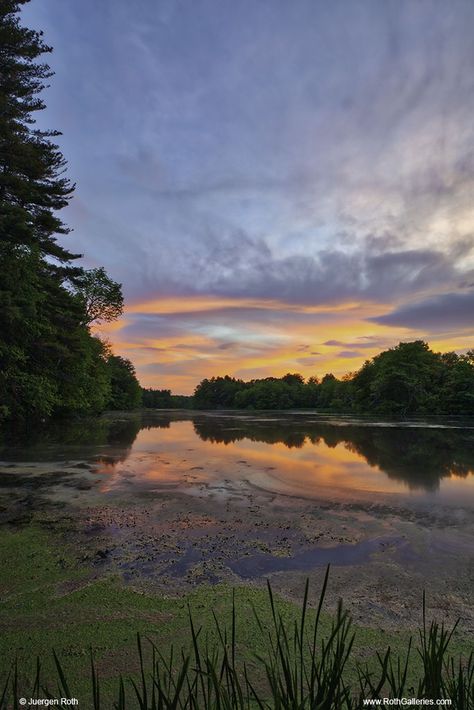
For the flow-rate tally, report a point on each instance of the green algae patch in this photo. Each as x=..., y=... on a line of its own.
x=50, y=600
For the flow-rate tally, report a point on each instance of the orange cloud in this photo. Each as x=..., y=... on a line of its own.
x=256, y=338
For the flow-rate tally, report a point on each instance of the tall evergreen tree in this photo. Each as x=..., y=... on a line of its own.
x=32, y=184
x=49, y=361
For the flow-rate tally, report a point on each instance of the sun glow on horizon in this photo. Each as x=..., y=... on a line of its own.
x=176, y=342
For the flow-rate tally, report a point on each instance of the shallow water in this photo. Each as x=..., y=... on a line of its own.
x=223, y=454
x=338, y=555
x=172, y=499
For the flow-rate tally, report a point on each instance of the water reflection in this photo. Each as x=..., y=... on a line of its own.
x=420, y=456
x=69, y=439
x=298, y=453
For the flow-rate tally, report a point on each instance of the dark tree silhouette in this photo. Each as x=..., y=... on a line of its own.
x=101, y=297
x=49, y=361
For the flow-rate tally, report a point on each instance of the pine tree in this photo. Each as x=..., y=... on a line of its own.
x=32, y=184
x=49, y=361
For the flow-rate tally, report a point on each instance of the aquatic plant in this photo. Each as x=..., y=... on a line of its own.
x=300, y=669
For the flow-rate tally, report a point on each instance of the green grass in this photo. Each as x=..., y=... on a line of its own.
x=49, y=601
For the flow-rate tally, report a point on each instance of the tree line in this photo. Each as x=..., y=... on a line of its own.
x=407, y=379
x=50, y=362
x=163, y=399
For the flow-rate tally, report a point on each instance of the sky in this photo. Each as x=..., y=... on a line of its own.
x=280, y=186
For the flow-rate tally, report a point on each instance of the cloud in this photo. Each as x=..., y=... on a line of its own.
x=170, y=368
x=227, y=326
x=310, y=140
x=308, y=361
x=310, y=154
x=358, y=344
x=335, y=276
x=444, y=313
x=226, y=346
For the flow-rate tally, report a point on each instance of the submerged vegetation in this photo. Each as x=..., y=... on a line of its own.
x=303, y=664
x=407, y=379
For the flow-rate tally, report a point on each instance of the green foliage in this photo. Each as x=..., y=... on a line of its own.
x=125, y=391
x=182, y=401
x=412, y=379
x=163, y=399
x=156, y=399
x=399, y=380
x=407, y=379
x=303, y=665
x=49, y=361
x=101, y=297
x=218, y=392
x=270, y=393
x=56, y=602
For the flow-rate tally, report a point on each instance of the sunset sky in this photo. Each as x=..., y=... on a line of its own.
x=279, y=185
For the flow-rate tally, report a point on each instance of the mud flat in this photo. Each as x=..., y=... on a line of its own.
x=169, y=501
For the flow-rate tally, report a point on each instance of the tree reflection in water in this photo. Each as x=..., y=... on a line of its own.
x=415, y=455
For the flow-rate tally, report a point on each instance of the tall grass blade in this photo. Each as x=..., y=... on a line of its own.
x=4, y=698
x=63, y=684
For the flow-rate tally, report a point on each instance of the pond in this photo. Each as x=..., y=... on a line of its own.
x=168, y=500
x=292, y=453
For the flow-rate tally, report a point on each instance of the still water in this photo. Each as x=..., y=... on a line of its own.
x=292, y=453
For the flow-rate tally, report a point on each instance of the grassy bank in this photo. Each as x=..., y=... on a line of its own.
x=50, y=601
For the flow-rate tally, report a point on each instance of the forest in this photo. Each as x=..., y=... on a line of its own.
x=163, y=399
x=407, y=379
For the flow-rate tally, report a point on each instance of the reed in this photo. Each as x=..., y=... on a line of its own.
x=300, y=669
